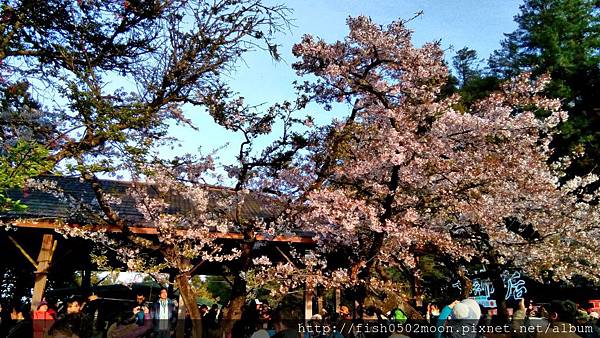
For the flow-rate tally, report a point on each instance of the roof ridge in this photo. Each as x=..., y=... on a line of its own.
x=45, y=203
x=80, y=179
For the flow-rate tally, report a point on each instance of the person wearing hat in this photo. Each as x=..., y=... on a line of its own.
x=43, y=318
x=464, y=318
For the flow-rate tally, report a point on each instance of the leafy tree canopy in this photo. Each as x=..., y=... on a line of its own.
x=561, y=38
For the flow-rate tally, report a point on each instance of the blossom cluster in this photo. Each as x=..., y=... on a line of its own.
x=410, y=171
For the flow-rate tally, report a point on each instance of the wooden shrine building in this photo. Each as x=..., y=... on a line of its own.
x=30, y=241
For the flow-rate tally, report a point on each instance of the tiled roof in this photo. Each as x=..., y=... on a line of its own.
x=80, y=204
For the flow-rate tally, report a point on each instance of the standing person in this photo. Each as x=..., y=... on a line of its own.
x=443, y=317
x=519, y=320
x=141, y=318
x=593, y=323
x=203, y=310
x=464, y=319
x=562, y=316
x=140, y=309
x=345, y=321
x=74, y=320
x=164, y=315
x=286, y=319
x=91, y=308
x=4, y=321
x=210, y=322
x=42, y=320
x=433, y=312
x=22, y=327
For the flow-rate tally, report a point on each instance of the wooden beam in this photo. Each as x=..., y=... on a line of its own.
x=53, y=251
x=23, y=251
x=41, y=274
x=140, y=230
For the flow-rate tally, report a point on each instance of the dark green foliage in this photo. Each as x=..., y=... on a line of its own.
x=478, y=88
x=218, y=288
x=471, y=82
x=465, y=63
x=561, y=38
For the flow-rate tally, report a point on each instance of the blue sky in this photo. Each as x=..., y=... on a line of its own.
x=478, y=24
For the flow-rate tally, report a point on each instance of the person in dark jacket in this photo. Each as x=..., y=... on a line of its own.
x=4, y=320
x=164, y=315
x=74, y=321
x=286, y=319
x=23, y=326
x=562, y=316
x=210, y=322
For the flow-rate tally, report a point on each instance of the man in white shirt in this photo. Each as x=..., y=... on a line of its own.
x=164, y=314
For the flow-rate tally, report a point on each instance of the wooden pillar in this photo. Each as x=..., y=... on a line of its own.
x=418, y=292
x=41, y=273
x=86, y=274
x=86, y=280
x=308, y=303
x=320, y=301
x=338, y=299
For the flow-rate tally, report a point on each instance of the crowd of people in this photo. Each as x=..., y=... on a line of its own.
x=82, y=318
x=559, y=318
x=462, y=318
x=457, y=318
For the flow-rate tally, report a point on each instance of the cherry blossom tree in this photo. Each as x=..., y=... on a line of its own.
x=191, y=218
x=406, y=171
x=403, y=171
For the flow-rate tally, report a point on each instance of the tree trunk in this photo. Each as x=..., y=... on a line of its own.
x=183, y=281
x=410, y=311
x=235, y=309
